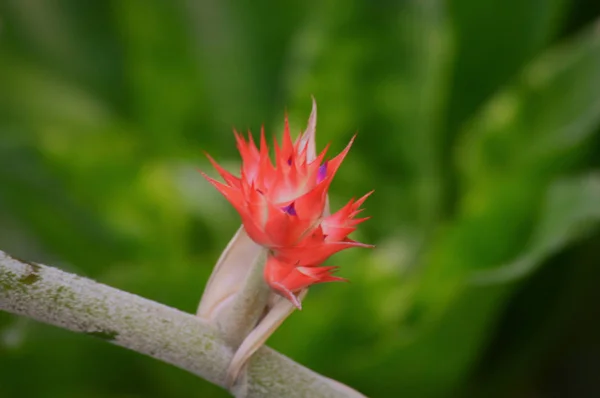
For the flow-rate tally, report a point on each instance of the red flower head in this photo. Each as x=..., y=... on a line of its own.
x=278, y=204
x=284, y=208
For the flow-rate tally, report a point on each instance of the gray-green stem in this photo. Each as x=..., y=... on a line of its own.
x=248, y=305
x=78, y=304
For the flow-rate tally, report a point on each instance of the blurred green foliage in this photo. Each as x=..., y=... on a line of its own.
x=478, y=128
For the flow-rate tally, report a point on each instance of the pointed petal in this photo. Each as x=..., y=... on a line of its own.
x=334, y=164
x=252, y=145
x=340, y=224
x=284, y=279
x=287, y=147
x=321, y=274
x=337, y=233
x=233, y=195
x=264, y=148
x=360, y=201
x=266, y=170
x=315, y=254
x=229, y=178
x=286, y=293
x=316, y=273
x=280, y=162
x=307, y=139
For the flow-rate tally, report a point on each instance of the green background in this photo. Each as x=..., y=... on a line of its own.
x=477, y=127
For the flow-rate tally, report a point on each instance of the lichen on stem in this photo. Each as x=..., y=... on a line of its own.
x=78, y=304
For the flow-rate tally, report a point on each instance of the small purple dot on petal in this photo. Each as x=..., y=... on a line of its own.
x=289, y=209
x=322, y=172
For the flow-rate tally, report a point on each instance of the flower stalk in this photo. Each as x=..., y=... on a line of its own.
x=247, y=306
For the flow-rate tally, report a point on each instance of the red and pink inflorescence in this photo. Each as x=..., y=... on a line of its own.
x=284, y=208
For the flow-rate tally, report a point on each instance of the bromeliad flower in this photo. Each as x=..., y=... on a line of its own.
x=279, y=204
x=287, y=233
x=284, y=208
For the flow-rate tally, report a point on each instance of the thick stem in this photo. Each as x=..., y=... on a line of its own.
x=186, y=341
x=242, y=315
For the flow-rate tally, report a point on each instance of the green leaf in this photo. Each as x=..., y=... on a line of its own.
x=571, y=209
x=536, y=126
x=494, y=39
x=524, y=140
x=512, y=157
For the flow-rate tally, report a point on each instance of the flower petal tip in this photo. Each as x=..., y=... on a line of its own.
x=287, y=294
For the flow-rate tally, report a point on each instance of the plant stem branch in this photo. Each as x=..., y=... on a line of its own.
x=78, y=304
x=248, y=305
